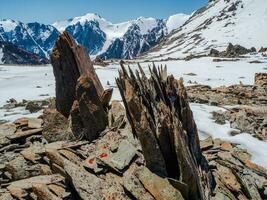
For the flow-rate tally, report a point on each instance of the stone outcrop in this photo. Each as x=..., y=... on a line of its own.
x=235, y=175
x=232, y=51
x=160, y=117
x=79, y=93
x=69, y=61
x=91, y=110
x=263, y=49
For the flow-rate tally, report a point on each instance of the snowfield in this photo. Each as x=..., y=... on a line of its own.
x=21, y=83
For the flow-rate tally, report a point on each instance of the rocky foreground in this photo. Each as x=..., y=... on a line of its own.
x=245, y=105
x=84, y=147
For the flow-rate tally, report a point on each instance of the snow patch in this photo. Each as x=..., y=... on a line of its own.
x=207, y=127
x=8, y=25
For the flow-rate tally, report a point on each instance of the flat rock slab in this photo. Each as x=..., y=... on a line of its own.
x=6, y=130
x=124, y=155
x=159, y=187
x=87, y=185
x=64, y=144
x=43, y=193
x=24, y=134
x=133, y=185
x=35, y=123
x=28, y=183
x=6, y=196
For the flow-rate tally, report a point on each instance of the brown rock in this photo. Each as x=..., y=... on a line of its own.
x=106, y=97
x=228, y=179
x=159, y=187
x=160, y=116
x=69, y=61
x=24, y=134
x=116, y=114
x=260, y=79
x=112, y=188
x=35, y=123
x=56, y=126
x=133, y=185
x=91, y=110
x=43, y=193
x=22, y=122
x=206, y=144
x=77, y=126
x=59, y=191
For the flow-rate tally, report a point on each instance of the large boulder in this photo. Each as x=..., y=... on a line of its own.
x=69, y=61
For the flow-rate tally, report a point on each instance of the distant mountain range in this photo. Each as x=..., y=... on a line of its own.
x=219, y=23
x=12, y=54
x=99, y=36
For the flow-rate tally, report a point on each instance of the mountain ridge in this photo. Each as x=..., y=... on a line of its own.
x=215, y=25
x=99, y=36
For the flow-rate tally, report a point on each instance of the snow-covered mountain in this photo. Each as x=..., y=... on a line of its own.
x=99, y=36
x=11, y=54
x=33, y=37
x=220, y=22
x=122, y=40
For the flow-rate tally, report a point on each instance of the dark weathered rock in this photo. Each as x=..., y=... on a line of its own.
x=91, y=110
x=232, y=51
x=160, y=117
x=263, y=49
x=106, y=97
x=214, y=53
x=69, y=61
x=33, y=106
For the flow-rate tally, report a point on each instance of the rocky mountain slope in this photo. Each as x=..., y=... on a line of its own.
x=220, y=22
x=11, y=54
x=122, y=40
x=33, y=37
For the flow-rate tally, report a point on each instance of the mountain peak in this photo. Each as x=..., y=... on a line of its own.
x=9, y=24
x=62, y=25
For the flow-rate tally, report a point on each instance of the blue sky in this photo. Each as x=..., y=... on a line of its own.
x=48, y=11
